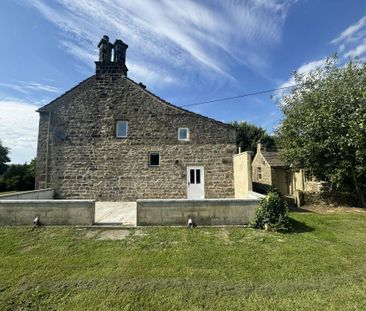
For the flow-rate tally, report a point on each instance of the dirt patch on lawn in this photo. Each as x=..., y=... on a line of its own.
x=140, y=233
x=106, y=234
x=223, y=235
x=113, y=235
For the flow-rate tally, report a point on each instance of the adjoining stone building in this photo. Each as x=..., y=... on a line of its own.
x=109, y=138
x=269, y=171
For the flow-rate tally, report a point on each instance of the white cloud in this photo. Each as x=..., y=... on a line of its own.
x=19, y=129
x=139, y=72
x=86, y=54
x=172, y=34
x=352, y=32
x=352, y=41
x=149, y=76
x=27, y=87
x=303, y=69
x=308, y=67
x=357, y=51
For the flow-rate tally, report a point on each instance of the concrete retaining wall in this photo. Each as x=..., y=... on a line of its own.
x=50, y=212
x=202, y=212
x=44, y=194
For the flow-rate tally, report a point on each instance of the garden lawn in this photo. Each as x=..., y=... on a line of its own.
x=320, y=267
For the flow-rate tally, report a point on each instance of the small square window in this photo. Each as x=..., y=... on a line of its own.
x=183, y=134
x=154, y=159
x=121, y=129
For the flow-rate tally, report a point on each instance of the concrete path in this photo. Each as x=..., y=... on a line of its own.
x=115, y=213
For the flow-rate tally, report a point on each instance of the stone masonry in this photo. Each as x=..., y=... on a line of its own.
x=259, y=162
x=80, y=156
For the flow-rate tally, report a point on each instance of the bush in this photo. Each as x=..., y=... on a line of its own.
x=273, y=212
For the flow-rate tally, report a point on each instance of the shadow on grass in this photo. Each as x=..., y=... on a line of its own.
x=299, y=227
x=299, y=209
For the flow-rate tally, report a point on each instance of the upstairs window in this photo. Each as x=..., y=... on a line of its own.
x=154, y=159
x=121, y=129
x=183, y=134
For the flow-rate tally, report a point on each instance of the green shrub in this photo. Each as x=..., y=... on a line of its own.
x=273, y=213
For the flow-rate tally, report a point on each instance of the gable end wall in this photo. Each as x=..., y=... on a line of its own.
x=86, y=160
x=259, y=161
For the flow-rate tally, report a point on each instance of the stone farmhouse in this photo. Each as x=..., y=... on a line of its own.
x=111, y=139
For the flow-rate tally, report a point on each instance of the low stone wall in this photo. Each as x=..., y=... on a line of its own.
x=315, y=186
x=50, y=212
x=44, y=194
x=202, y=212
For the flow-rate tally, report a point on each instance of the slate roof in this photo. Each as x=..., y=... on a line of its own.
x=273, y=158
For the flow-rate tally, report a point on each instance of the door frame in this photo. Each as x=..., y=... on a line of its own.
x=192, y=194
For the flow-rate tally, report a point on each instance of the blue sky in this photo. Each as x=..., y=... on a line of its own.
x=184, y=51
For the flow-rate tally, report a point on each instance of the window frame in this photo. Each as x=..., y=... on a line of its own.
x=150, y=154
x=120, y=121
x=183, y=139
x=259, y=173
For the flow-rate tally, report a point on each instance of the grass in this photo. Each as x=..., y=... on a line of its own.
x=320, y=267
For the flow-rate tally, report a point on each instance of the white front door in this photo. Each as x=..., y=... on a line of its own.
x=195, y=182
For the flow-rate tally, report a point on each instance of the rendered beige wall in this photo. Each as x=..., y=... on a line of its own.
x=299, y=180
x=242, y=174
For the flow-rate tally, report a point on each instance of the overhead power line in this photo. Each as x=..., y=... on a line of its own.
x=238, y=96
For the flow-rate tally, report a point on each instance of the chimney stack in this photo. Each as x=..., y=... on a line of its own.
x=105, y=67
x=120, y=51
x=259, y=147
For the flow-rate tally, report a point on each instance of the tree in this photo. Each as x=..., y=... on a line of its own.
x=248, y=135
x=3, y=158
x=19, y=177
x=324, y=125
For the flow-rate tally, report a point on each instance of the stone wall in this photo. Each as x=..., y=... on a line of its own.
x=85, y=159
x=259, y=161
x=42, y=150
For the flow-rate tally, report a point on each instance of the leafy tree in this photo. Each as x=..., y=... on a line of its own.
x=324, y=125
x=3, y=158
x=19, y=177
x=248, y=135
